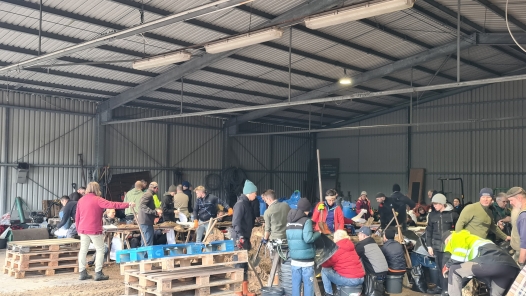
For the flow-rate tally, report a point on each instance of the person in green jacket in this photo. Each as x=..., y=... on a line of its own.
x=134, y=196
x=478, y=219
x=472, y=256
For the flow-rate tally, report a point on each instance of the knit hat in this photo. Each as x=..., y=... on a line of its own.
x=172, y=188
x=364, y=193
x=486, y=192
x=365, y=230
x=304, y=205
x=515, y=191
x=380, y=194
x=249, y=187
x=390, y=233
x=439, y=198
x=186, y=184
x=396, y=187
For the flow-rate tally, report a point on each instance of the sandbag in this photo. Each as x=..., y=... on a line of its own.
x=325, y=248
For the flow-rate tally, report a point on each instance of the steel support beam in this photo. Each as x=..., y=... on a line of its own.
x=409, y=62
x=207, y=59
x=502, y=13
x=500, y=39
x=338, y=99
x=3, y=158
x=159, y=23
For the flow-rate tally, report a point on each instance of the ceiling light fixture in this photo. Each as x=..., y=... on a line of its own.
x=162, y=60
x=357, y=12
x=345, y=80
x=244, y=40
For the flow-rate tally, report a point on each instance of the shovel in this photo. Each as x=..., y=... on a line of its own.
x=255, y=258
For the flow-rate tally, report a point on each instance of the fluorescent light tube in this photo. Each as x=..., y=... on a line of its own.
x=162, y=60
x=243, y=40
x=357, y=12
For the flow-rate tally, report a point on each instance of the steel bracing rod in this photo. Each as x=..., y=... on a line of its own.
x=394, y=125
x=338, y=99
x=195, y=64
x=406, y=63
x=178, y=17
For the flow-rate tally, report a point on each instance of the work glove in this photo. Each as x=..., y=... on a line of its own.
x=264, y=241
x=230, y=212
x=196, y=224
x=240, y=242
x=445, y=271
x=321, y=207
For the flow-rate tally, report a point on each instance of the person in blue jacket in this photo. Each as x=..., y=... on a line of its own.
x=301, y=237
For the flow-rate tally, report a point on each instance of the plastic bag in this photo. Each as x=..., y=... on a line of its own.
x=61, y=232
x=116, y=245
x=170, y=237
x=4, y=234
x=6, y=219
x=325, y=248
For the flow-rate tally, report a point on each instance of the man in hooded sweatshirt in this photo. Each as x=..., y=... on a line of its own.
x=301, y=237
x=187, y=189
x=400, y=203
x=168, y=204
x=243, y=221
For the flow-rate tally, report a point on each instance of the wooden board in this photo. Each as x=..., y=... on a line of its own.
x=186, y=262
x=220, y=290
x=30, y=246
x=45, y=271
x=30, y=234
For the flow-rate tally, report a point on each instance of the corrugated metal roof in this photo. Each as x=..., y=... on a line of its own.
x=323, y=57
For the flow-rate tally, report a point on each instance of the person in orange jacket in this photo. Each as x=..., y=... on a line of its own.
x=328, y=212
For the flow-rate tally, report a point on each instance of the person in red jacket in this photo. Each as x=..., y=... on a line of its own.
x=88, y=219
x=328, y=212
x=364, y=203
x=344, y=268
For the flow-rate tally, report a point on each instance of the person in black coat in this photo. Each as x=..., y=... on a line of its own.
x=439, y=222
x=187, y=189
x=384, y=209
x=400, y=202
x=394, y=253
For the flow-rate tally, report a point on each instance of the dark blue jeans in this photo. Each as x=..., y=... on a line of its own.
x=147, y=231
x=329, y=276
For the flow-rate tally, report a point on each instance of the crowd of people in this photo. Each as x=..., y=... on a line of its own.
x=459, y=240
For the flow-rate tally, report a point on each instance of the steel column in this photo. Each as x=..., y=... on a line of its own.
x=3, y=158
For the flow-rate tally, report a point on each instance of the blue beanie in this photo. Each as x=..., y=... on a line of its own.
x=186, y=184
x=249, y=187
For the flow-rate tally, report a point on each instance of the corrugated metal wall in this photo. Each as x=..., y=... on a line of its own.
x=488, y=154
x=50, y=132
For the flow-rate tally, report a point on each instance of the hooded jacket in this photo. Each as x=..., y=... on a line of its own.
x=243, y=220
x=394, y=255
x=399, y=202
x=437, y=224
x=346, y=261
x=300, y=236
x=464, y=246
x=321, y=216
x=206, y=207
x=168, y=207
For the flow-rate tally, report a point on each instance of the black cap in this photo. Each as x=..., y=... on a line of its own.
x=396, y=187
x=390, y=233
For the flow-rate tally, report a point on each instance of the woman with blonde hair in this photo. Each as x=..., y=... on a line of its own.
x=344, y=268
x=89, y=226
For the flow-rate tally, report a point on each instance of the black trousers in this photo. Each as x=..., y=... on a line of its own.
x=439, y=259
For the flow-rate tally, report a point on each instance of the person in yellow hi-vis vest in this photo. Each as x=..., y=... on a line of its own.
x=472, y=256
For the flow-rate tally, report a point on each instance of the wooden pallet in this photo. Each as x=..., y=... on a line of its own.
x=186, y=262
x=44, y=245
x=23, y=265
x=220, y=290
x=17, y=274
x=198, y=282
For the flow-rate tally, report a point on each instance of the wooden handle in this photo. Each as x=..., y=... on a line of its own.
x=319, y=175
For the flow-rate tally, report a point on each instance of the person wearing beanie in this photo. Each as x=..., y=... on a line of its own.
x=301, y=237
x=329, y=212
x=243, y=221
x=168, y=204
x=400, y=203
x=344, y=268
x=384, y=209
x=374, y=262
x=205, y=208
x=439, y=222
x=187, y=189
x=478, y=219
x=393, y=252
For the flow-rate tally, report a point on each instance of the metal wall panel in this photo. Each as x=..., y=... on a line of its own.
x=483, y=154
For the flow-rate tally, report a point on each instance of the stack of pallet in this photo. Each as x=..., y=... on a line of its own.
x=48, y=256
x=208, y=270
